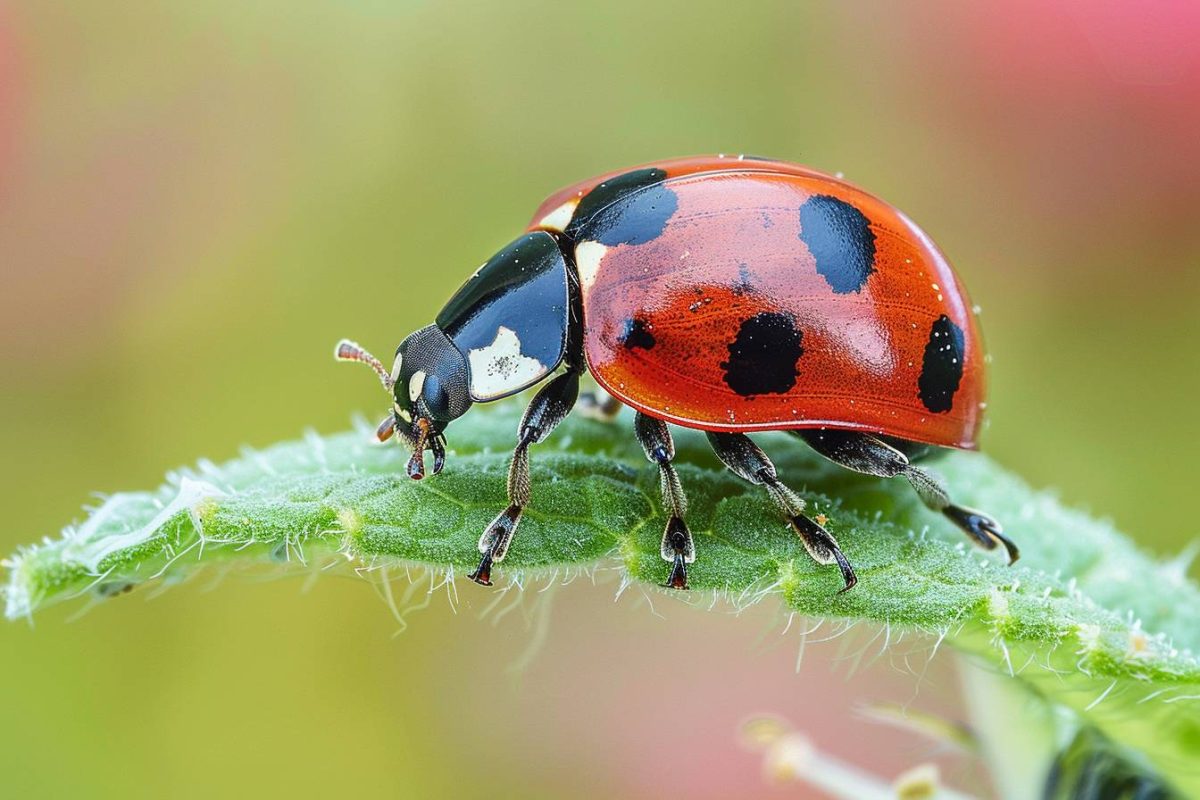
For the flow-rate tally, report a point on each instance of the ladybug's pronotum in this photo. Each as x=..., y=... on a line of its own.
x=730, y=295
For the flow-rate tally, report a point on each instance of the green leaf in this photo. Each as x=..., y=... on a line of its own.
x=1085, y=619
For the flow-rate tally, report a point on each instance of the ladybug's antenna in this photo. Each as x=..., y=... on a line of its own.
x=351, y=351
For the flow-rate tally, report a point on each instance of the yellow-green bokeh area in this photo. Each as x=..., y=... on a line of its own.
x=197, y=200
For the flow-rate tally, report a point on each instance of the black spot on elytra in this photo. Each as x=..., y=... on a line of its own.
x=942, y=369
x=640, y=218
x=841, y=241
x=636, y=333
x=763, y=357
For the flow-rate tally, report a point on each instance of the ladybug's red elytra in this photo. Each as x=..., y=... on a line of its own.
x=726, y=294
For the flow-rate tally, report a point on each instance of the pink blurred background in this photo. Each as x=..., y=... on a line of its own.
x=177, y=181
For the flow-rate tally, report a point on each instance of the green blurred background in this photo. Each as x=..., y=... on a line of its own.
x=198, y=199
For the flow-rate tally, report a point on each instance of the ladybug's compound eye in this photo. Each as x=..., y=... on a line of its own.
x=434, y=398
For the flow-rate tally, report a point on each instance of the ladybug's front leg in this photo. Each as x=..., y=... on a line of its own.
x=677, y=547
x=746, y=460
x=548, y=408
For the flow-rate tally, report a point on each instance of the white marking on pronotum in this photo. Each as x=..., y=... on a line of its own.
x=415, y=384
x=588, y=256
x=559, y=218
x=499, y=368
x=396, y=368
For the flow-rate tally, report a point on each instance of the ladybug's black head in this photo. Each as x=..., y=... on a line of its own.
x=428, y=382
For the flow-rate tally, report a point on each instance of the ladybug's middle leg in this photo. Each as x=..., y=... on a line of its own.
x=870, y=455
x=547, y=408
x=746, y=460
x=677, y=547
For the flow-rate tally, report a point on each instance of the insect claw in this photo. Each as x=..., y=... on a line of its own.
x=494, y=542
x=986, y=531
x=438, y=446
x=677, y=549
x=678, y=577
x=1009, y=546
x=483, y=573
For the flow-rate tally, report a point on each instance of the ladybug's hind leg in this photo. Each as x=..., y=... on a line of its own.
x=746, y=460
x=547, y=408
x=677, y=547
x=870, y=455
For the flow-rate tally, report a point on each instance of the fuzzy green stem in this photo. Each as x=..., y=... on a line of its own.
x=1018, y=735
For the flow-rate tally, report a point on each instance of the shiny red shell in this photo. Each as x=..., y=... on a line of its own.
x=774, y=297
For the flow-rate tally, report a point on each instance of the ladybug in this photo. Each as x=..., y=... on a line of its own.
x=726, y=294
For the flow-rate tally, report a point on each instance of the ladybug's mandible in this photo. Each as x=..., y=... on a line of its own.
x=726, y=294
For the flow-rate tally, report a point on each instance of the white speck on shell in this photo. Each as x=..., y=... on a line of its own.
x=588, y=256
x=396, y=368
x=559, y=218
x=416, y=384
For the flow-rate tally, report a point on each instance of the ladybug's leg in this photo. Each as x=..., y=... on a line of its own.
x=867, y=454
x=747, y=461
x=547, y=408
x=677, y=547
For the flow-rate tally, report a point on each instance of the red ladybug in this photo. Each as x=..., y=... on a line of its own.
x=727, y=294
